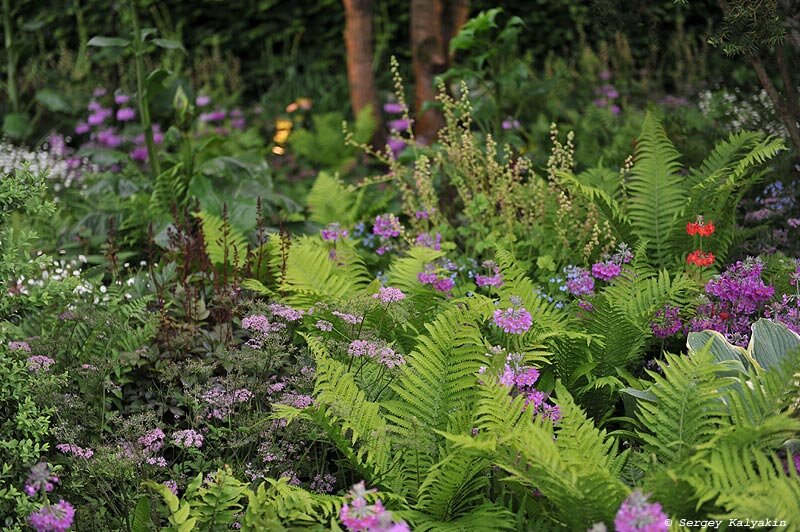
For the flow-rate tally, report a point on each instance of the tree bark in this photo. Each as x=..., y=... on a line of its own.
x=428, y=58
x=360, y=77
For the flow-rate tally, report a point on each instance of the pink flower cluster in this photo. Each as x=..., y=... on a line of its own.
x=37, y=363
x=259, y=323
x=439, y=282
x=220, y=402
x=53, y=517
x=358, y=516
x=496, y=279
x=75, y=450
x=388, y=294
x=522, y=381
x=513, y=320
x=348, y=318
x=387, y=226
x=606, y=270
x=426, y=240
x=285, y=312
x=333, y=232
x=40, y=479
x=383, y=354
x=637, y=515
x=187, y=438
x=324, y=326
x=297, y=400
x=153, y=440
x=19, y=346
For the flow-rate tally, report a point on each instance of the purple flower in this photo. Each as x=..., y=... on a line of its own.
x=286, y=312
x=53, y=517
x=187, y=438
x=389, y=295
x=513, y=320
x=667, y=322
x=394, y=108
x=495, y=280
x=213, y=116
x=202, y=100
x=109, y=138
x=427, y=241
x=139, y=153
x=81, y=128
x=153, y=440
x=99, y=116
x=121, y=99
x=172, y=486
x=444, y=285
x=606, y=270
x=637, y=515
x=348, y=318
x=324, y=326
x=527, y=378
x=396, y=145
x=400, y=124
x=126, y=114
x=333, y=232
x=40, y=479
x=510, y=123
x=358, y=516
x=259, y=323
x=75, y=450
x=19, y=346
x=37, y=363
x=579, y=281
x=387, y=226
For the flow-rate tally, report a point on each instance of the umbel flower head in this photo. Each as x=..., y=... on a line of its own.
x=40, y=479
x=513, y=320
x=700, y=227
x=359, y=516
x=53, y=517
x=637, y=515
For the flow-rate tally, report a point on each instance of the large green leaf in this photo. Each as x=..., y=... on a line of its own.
x=770, y=342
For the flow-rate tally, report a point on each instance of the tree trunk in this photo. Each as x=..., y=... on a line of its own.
x=433, y=24
x=361, y=79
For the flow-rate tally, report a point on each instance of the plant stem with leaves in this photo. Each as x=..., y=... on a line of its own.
x=144, y=106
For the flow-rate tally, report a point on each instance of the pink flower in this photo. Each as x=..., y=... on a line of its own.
x=513, y=320
x=53, y=517
x=126, y=114
x=187, y=438
x=606, y=270
x=388, y=294
x=37, y=363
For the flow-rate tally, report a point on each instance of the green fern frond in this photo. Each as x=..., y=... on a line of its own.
x=329, y=201
x=657, y=193
x=312, y=275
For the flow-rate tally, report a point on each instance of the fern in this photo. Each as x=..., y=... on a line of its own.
x=313, y=275
x=226, y=246
x=329, y=201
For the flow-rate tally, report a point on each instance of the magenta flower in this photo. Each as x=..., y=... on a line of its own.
x=387, y=226
x=125, y=114
x=388, y=294
x=139, y=153
x=81, y=128
x=513, y=320
x=495, y=280
x=358, y=516
x=333, y=232
x=400, y=124
x=637, y=515
x=396, y=145
x=75, y=450
x=53, y=517
x=394, y=108
x=667, y=322
x=606, y=270
x=40, y=479
x=153, y=440
x=202, y=100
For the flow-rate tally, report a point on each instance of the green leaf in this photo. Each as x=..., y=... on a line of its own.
x=169, y=44
x=52, y=101
x=770, y=342
x=106, y=42
x=140, y=520
x=16, y=125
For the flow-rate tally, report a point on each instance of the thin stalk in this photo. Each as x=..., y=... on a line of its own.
x=144, y=107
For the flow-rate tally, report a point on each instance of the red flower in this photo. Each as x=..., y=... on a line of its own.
x=707, y=229
x=700, y=258
x=700, y=227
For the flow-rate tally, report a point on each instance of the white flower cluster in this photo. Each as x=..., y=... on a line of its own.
x=53, y=158
x=742, y=111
